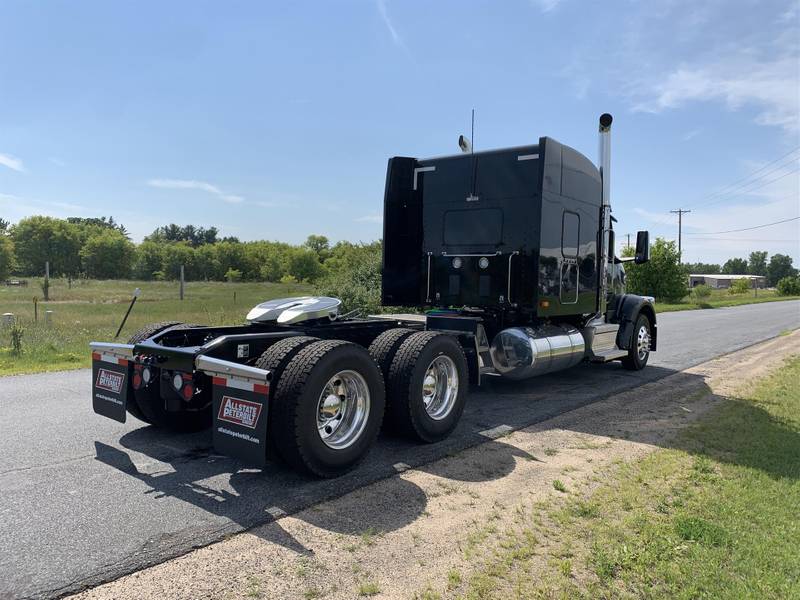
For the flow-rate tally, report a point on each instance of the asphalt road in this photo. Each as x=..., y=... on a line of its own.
x=84, y=499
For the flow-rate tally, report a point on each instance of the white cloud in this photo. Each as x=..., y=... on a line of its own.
x=57, y=161
x=12, y=162
x=184, y=184
x=691, y=134
x=738, y=81
x=194, y=184
x=18, y=207
x=374, y=218
x=546, y=5
x=388, y=22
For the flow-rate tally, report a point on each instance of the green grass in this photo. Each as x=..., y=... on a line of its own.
x=722, y=298
x=92, y=311
x=368, y=588
x=716, y=515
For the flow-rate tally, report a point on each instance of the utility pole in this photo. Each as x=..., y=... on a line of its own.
x=680, y=212
x=628, y=235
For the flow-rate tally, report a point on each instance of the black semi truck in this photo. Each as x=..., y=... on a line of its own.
x=508, y=257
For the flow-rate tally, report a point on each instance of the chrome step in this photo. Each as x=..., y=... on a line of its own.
x=609, y=355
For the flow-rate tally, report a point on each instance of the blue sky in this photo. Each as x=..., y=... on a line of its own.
x=275, y=120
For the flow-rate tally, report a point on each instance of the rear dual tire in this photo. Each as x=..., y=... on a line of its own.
x=427, y=386
x=327, y=407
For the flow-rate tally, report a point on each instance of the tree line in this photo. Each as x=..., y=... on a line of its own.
x=100, y=248
x=778, y=267
x=666, y=278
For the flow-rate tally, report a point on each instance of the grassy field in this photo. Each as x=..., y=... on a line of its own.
x=92, y=310
x=715, y=516
x=721, y=298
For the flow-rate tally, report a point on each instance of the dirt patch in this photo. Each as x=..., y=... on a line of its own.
x=424, y=528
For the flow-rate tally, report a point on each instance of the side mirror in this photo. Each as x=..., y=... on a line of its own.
x=642, y=247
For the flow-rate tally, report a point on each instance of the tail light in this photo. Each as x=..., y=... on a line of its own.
x=183, y=384
x=137, y=380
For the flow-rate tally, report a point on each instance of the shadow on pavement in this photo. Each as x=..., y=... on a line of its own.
x=251, y=497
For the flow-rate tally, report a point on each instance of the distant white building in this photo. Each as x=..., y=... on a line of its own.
x=724, y=281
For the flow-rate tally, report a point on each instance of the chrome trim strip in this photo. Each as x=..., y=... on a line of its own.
x=224, y=368
x=510, y=256
x=421, y=170
x=121, y=350
x=527, y=157
x=463, y=255
x=428, y=291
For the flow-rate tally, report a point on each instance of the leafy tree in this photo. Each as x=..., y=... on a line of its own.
x=108, y=255
x=739, y=286
x=39, y=239
x=208, y=266
x=757, y=265
x=701, y=291
x=230, y=255
x=780, y=266
x=4, y=226
x=233, y=275
x=304, y=265
x=662, y=276
x=789, y=286
x=319, y=245
x=6, y=256
x=194, y=236
x=148, y=261
x=94, y=223
x=176, y=255
x=701, y=268
x=358, y=282
x=735, y=266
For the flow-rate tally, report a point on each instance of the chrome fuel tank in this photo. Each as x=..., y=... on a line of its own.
x=522, y=352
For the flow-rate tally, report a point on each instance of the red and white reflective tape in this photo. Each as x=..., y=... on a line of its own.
x=241, y=384
x=110, y=358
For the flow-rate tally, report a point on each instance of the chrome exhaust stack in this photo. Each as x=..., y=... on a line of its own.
x=605, y=238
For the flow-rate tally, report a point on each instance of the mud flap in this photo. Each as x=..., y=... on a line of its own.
x=110, y=379
x=240, y=419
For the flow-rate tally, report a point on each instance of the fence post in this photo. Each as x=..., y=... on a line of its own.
x=46, y=281
x=181, y=282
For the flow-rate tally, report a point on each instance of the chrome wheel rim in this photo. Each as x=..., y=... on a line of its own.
x=440, y=387
x=343, y=409
x=643, y=342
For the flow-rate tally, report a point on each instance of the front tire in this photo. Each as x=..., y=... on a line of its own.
x=427, y=386
x=327, y=408
x=639, y=352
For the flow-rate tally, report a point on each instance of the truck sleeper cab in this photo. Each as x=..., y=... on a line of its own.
x=510, y=254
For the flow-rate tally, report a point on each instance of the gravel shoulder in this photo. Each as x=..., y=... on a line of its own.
x=405, y=536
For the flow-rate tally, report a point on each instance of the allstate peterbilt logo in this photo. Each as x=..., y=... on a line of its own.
x=110, y=380
x=239, y=412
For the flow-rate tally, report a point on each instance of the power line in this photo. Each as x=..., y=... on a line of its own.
x=743, y=191
x=727, y=189
x=743, y=229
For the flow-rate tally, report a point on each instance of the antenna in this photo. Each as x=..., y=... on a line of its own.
x=472, y=133
x=472, y=196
